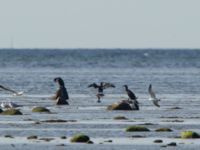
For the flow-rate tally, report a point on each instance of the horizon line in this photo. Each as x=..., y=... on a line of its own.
x=99, y=48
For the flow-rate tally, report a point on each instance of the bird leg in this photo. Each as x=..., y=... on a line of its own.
x=99, y=99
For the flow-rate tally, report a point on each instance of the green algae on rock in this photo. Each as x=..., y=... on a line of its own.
x=158, y=141
x=120, y=118
x=11, y=112
x=63, y=137
x=32, y=137
x=8, y=136
x=189, y=135
x=137, y=129
x=40, y=109
x=90, y=142
x=163, y=130
x=80, y=138
x=172, y=144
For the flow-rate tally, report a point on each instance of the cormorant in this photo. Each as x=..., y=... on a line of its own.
x=132, y=98
x=101, y=87
x=61, y=95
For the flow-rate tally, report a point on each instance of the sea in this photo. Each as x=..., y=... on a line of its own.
x=169, y=71
x=173, y=73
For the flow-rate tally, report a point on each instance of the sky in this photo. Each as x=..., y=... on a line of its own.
x=99, y=23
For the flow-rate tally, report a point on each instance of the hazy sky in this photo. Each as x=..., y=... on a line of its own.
x=100, y=23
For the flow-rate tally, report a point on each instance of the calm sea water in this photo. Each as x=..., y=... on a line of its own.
x=170, y=71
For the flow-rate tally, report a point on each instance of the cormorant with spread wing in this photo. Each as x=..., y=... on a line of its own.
x=101, y=87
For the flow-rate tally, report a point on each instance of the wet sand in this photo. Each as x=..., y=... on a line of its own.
x=99, y=124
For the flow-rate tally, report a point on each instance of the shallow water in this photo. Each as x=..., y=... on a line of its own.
x=174, y=75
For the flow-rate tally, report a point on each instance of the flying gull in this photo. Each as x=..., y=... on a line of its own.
x=153, y=97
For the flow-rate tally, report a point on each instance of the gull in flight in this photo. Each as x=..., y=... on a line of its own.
x=15, y=93
x=153, y=96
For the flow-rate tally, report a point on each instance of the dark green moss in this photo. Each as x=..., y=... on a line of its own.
x=163, y=130
x=137, y=129
x=90, y=142
x=40, y=109
x=189, y=135
x=11, y=112
x=63, y=137
x=158, y=141
x=80, y=138
x=120, y=118
x=8, y=136
x=172, y=144
x=32, y=137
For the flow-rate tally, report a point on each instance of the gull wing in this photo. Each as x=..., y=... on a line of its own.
x=151, y=92
x=8, y=89
x=155, y=102
x=19, y=93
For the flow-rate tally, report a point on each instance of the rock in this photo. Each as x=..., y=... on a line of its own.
x=189, y=135
x=8, y=136
x=123, y=105
x=90, y=142
x=58, y=121
x=37, y=122
x=40, y=109
x=158, y=141
x=63, y=137
x=163, y=130
x=163, y=146
x=32, y=137
x=54, y=121
x=176, y=108
x=120, y=118
x=137, y=136
x=172, y=144
x=137, y=129
x=60, y=145
x=147, y=124
x=11, y=112
x=47, y=139
x=109, y=141
x=80, y=138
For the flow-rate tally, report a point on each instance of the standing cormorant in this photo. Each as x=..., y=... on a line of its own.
x=101, y=87
x=132, y=98
x=61, y=95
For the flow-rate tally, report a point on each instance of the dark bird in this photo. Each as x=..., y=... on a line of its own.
x=61, y=95
x=132, y=98
x=153, y=97
x=101, y=87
